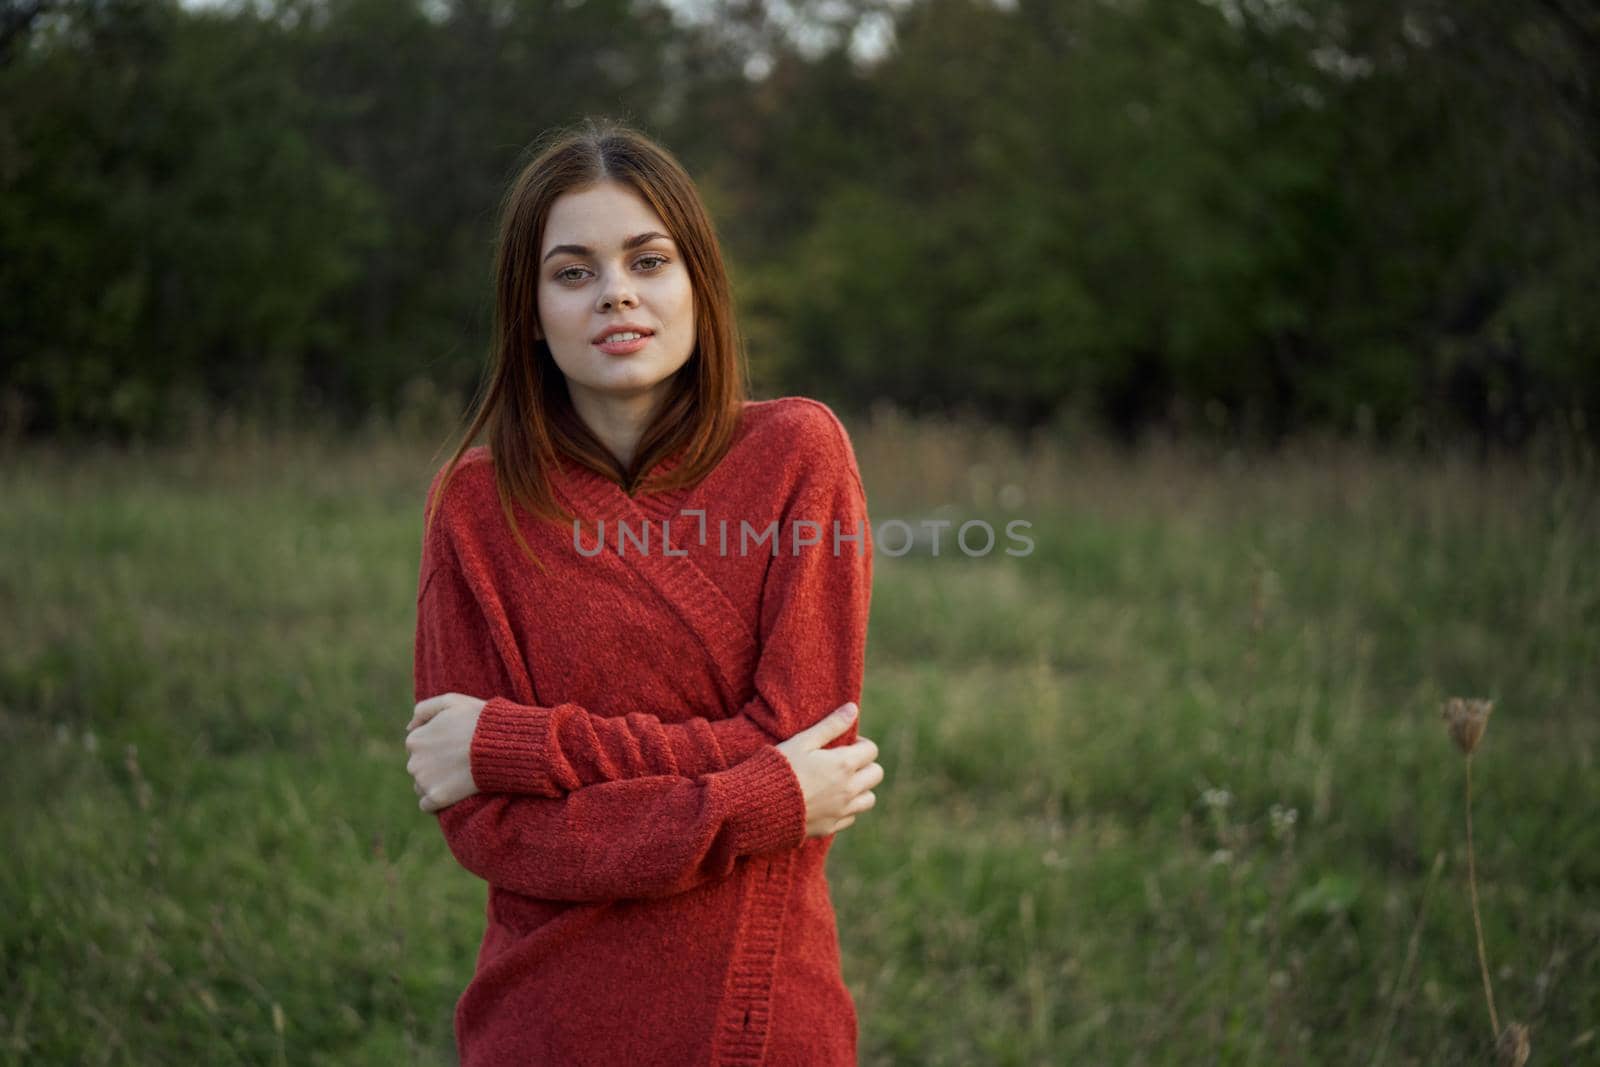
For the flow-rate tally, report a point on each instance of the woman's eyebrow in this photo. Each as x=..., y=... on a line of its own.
x=583, y=250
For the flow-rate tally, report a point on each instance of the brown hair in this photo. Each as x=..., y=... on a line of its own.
x=525, y=407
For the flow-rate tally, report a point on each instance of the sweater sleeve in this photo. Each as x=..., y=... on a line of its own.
x=813, y=634
x=649, y=836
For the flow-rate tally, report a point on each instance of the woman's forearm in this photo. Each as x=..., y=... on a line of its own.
x=646, y=837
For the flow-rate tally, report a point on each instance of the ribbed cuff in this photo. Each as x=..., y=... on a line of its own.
x=768, y=810
x=510, y=749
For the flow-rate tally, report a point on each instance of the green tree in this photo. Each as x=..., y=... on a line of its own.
x=169, y=231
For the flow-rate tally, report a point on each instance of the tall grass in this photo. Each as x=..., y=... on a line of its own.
x=1166, y=791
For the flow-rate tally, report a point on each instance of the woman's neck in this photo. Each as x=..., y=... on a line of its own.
x=618, y=421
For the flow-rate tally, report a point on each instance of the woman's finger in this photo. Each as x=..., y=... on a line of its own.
x=847, y=821
x=427, y=709
x=860, y=753
x=865, y=802
x=867, y=777
x=422, y=718
x=830, y=726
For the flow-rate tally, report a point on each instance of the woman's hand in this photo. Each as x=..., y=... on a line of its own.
x=837, y=782
x=439, y=739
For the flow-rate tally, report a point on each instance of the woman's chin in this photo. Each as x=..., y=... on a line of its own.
x=626, y=386
x=631, y=379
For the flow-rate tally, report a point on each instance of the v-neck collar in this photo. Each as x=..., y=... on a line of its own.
x=730, y=644
x=600, y=497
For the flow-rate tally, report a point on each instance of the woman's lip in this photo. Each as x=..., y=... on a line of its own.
x=623, y=348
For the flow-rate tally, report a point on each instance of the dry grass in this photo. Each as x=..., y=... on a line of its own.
x=1168, y=790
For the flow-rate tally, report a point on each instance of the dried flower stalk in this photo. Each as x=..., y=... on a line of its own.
x=1466, y=720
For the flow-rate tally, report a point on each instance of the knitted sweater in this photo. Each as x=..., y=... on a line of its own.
x=653, y=898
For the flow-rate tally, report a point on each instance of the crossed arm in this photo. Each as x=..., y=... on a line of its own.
x=647, y=836
x=574, y=805
x=812, y=643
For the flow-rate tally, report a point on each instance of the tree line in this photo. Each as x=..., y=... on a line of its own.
x=1373, y=216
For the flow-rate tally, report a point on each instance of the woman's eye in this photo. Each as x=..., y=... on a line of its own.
x=653, y=259
x=566, y=274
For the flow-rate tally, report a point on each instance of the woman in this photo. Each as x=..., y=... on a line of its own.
x=641, y=624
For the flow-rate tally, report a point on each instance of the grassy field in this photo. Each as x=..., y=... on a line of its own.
x=1173, y=789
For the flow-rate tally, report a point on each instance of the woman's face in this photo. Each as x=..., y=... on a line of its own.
x=607, y=263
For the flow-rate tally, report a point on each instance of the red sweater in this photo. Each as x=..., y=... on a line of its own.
x=653, y=898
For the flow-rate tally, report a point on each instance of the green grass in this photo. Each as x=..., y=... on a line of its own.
x=215, y=854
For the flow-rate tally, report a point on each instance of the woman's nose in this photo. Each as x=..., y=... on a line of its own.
x=617, y=293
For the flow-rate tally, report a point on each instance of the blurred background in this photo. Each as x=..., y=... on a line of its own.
x=1261, y=214
x=1273, y=318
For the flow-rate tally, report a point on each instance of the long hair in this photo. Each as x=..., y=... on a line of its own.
x=525, y=410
